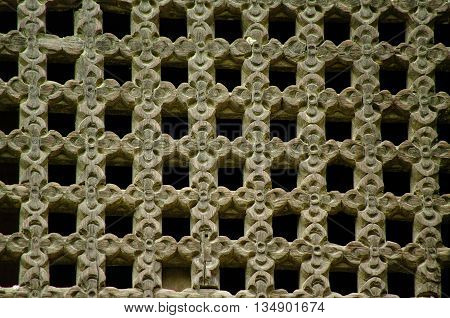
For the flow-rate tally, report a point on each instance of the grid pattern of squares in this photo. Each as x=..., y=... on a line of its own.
x=182, y=148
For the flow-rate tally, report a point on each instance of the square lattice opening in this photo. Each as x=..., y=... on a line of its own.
x=401, y=284
x=231, y=228
x=9, y=220
x=176, y=278
x=441, y=32
x=337, y=80
x=119, y=276
x=443, y=130
x=119, y=225
x=65, y=175
x=177, y=177
x=117, y=23
x=232, y=279
x=343, y=283
x=444, y=182
x=392, y=32
x=176, y=127
x=9, y=120
x=338, y=130
x=172, y=28
x=287, y=279
x=9, y=20
x=63, y=275
x=121, y=176
x=60, y=23
x=10, y=272
x=286, y=226
x=175, y=75
x=283, y=129
x=392, y=80
x=341, y=228
x=282, y=79
x=64, y=123
x=9, y=172
x=176, y=227
x=8, y=69
x=394, y=132
x=400, y=232
x=230, y=128
x=60, y=72
x=285, y=179
x=229, y=30
x=337, y=31
x=230, y=178
x=64, y=223
x=228, y=77
x=119, y=72
x=442, y=81
x=281, y=30
x=339, y=178
x=120, y=124
x=397, y=182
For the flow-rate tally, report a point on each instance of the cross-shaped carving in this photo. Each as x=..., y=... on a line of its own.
x=369, y=201
x=200, y=10
x=308, y=49
x=201, y=146
x=423, y=152
x=367, y=150
x=201, y=49
x=256, y=11
x=147, y=145
x=205, y=248
x=421, y=101
x=310, y=149
x=146, y=10
x=202, y=96
x=421, y=11
x=311, y=11
x=364, y=11
x=312, y=200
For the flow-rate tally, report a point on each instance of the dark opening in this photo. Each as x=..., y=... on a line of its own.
x=281, y=79
x=60, y=72
x=281, y=30
x=121, y=176
x=445, y=279
x=118, y=124
x=401, y=284
x=230, y=128
x=283, y=129
x=9, y=21
x=338, y=130
x=441, y=80
x=176, y=278
x=394, y=132
x=397, y=182
x=339, y=178
x=119, y=225
x=9, y=120
x=231, y=178
x=443, y=131
x=176, y=127
x=392, y=32
x=444, y=182
x=9, y=172
x=229, y=30
x=172, y=28
x=445, y=231
x=62, y=223
x=285, y=226
x=337, y=31
x=285, y=179
x=119, y=276
x=175, y=75
x=60, y=23
x=337, y=80
x=8, y=69
x=9, y=221
x=119, y=72
x=232, y=279
x=231, y=228
x=65, y=175
x=64, y=123
x=176, y=227
x=341, y=228
x=286, y=279
x=343, y=283
x=393, y=81
x=116, y=23
x=177, y=177
x=400, y=232
x=63, y=275
x=10, y=273
x=441, y=32
x=229, y=78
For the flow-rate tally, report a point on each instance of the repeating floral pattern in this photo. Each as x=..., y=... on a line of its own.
x=256, y=101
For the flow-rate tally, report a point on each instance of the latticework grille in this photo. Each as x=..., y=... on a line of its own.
x=245, y=148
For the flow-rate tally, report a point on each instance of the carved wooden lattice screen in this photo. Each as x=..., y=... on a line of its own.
x=93, y=114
